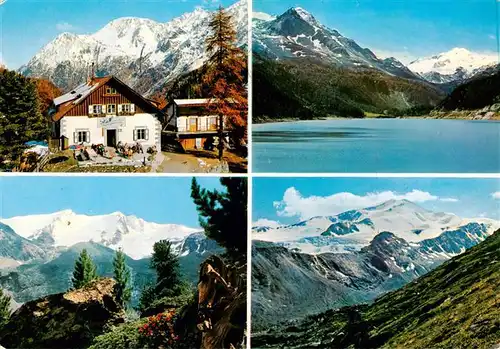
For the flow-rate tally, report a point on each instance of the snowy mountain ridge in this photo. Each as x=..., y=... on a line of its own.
x=137, y=50
x=355, y=229
x=116, y=230
x=456, y=64
x=297, y=34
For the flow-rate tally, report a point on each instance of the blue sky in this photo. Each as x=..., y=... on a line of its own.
x=155, y=199
x=28, y=25
x=302, y=198
x=406, y=29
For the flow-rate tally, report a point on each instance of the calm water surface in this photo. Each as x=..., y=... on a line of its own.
x=388, y=145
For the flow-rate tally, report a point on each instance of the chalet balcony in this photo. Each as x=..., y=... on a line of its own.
x=197, y=128
x=194, y=130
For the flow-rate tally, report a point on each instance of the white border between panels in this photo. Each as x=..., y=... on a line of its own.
x=377, y=175
x=249, y=174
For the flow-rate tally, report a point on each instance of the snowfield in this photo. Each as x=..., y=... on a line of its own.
x=447, y=63
x=65, y=228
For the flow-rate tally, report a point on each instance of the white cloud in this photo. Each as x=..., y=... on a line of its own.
x=496, y=195
x=492, y=37
x=65, y=27
x=264, y=222
x=2, y=2
x=294, y=204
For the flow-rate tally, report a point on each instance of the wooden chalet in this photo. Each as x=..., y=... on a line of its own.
x=191, y=122
x=104, y=110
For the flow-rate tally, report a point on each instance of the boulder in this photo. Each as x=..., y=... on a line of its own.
x=64, y=320
x=489, y=115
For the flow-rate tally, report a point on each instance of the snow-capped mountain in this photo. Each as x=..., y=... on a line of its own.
x=115, y=230
x=375, y=250
x=457, y=64
x=355, y=229
x=143, y=53
x=297, y=34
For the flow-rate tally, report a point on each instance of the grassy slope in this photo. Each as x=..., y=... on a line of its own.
x=455, y=306
x=306, y=89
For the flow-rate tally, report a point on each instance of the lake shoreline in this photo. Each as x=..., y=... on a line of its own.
x=265, y=120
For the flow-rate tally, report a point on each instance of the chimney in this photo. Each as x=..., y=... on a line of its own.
x=92, y=74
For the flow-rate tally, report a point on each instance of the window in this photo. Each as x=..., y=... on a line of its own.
x=97, y=109
x=110, y=91
x=81, y=136
x=126, y=109
x=212, y=123
x=141, y=134
x=111, y=108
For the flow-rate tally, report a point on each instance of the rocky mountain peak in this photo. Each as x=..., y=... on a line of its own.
x=167, y=49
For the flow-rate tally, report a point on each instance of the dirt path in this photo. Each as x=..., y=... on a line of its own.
x=186, y=163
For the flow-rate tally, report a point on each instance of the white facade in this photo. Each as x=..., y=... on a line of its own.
x=142, y=128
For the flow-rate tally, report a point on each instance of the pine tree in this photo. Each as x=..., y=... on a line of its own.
x=166, y=264
x=20, y=116
x=226, y=77
x=123, y=291
x=223, y=215
x=168, y=277
x=84, y=272
x=4, y=309
x=148, y=296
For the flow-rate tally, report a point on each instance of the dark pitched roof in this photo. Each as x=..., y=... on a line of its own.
x=78, y=95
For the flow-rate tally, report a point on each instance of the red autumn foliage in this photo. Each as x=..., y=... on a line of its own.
x=47, y=91
x=159, y=330
x=161, y=99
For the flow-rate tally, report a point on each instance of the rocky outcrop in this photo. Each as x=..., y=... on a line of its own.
x=222, y=304
x=65, y=320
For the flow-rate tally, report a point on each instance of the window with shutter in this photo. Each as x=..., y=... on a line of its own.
x=132, y=108
x=110, y=108
x=97, y=109
x=75, y=137
x=141, y=134
x=91, y=109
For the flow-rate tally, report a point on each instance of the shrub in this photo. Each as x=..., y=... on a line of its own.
x=159, y=330
x=125, y=336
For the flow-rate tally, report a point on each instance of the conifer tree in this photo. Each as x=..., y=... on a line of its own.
x=4, y=308
x=168, y=277
x=223, y=215
x=20, y=116
x=166, y=264
x=226, y=78
x=123, y=291
x=85, y=270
